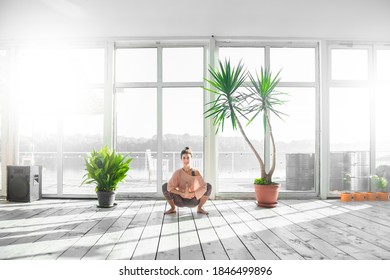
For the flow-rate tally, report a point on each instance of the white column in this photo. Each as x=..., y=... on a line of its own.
x=325, y=127
x=159, y=121
x=108, y=133
x=267, y=136
x=210, y=138
x=372, y=92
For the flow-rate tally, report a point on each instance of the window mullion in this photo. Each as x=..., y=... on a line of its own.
x=159, y=120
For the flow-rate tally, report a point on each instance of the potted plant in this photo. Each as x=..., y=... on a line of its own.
x=380, y=184
x=261, y=99
x=346, y=196
x=106, y=169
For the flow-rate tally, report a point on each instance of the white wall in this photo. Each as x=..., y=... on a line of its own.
x=328, y=19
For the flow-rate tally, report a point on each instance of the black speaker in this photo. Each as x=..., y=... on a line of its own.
x=24, y=183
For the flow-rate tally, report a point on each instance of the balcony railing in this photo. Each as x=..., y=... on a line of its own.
x=296, y=171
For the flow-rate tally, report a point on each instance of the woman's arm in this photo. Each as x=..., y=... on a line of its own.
x=188, y=195
x=174, y=183
x=198, y=193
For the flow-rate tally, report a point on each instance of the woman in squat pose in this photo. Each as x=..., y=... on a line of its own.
x=186, y=188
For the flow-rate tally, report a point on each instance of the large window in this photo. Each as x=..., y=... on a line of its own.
x=136, y=130
x=382, y=99
x=182, y=107
x=3, y=76
x=82, y=131
x=253, y=58
x=349, y=64
x=182, y=126
x=136, y=65
x=349, y=112
x=38, y=93
x=296, y=64
x=349, y=139
x=152, y=108
x=1, y=137
x=65, y=106
x=136, y=116
x=237, y=165
x=295, y=136
x=60, y=114
x=2, y=85
x=182, y=65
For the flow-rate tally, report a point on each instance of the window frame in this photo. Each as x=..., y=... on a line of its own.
x=267, y=45
x=160, y=85
x=368, y=84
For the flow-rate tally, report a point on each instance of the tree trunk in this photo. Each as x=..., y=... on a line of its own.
x=262, y=167
x=272, y=169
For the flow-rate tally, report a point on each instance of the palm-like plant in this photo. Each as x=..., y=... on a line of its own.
x=263, y=98
x=228, y=104
x=106, y=169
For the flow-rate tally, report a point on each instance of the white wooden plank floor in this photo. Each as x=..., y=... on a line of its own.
x=234, y=229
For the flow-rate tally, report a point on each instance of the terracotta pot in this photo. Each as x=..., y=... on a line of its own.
x=358, y=196
x=371, y=196
x=345, y=197
x=267, y=195
x=383, y=196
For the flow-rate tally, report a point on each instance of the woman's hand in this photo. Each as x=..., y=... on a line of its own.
x=187, y=194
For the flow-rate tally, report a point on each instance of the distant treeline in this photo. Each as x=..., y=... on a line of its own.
x=171, y=143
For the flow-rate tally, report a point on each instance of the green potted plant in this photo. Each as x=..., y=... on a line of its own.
x=346, y=196
x=106, y=168
x=380, y=184
x=262, y=99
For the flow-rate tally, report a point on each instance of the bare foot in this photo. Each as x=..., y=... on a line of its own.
x=202, y=211
x=170, y=211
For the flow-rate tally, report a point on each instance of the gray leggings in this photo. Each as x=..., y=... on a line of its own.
x=183, y=202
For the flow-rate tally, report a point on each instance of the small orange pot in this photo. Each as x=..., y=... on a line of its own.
x=383, y=196
x=358, y=196
x=345, y=197
x=371, y=196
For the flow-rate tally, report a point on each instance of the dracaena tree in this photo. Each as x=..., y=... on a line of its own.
x=261, y=98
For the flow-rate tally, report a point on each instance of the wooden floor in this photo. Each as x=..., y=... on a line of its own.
x=234, y=229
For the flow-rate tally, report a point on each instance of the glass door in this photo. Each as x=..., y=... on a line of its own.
x=349, y=111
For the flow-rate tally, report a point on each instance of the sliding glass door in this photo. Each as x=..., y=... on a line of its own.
x=295, y=135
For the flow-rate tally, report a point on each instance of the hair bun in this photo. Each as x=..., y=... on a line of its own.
x=186, y=151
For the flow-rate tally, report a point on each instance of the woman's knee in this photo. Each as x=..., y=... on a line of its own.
x=164, y=187
x=165, y=192
x=209, y=189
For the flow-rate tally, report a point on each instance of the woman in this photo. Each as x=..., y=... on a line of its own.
x=186, y=188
